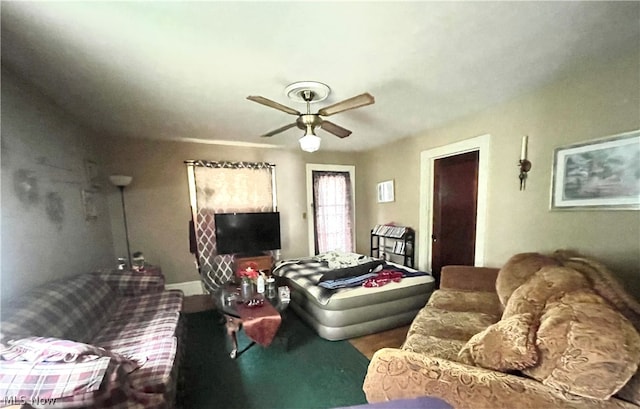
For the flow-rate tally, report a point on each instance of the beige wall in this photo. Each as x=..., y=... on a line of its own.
x=596, y=101
x=44, y=232
x=157, y=200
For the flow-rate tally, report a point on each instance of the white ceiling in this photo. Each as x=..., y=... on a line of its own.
x=175, y=70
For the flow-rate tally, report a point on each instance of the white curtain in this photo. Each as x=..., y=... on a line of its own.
x=225, y=187
x=333, y=212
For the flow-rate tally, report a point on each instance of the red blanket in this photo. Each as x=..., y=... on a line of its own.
x=382, y=278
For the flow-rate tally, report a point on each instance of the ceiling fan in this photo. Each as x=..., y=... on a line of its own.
x=311, y=92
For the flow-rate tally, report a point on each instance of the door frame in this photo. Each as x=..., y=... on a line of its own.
x=427, y=158
x=310, y=216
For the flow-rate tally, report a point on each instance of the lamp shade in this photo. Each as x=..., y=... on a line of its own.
x=310, y=143
x=120, y=180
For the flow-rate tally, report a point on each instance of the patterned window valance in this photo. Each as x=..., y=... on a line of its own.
x=230, y=165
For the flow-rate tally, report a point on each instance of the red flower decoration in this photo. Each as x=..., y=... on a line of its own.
x=251, y=271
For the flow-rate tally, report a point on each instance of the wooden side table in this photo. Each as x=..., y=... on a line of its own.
x=261, y=324
x=264, y=262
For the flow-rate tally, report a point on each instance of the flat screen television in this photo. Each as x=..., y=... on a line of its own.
x=247, y=233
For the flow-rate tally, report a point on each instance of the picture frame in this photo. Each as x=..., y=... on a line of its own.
x=385, y=191
x=598, y=174
x=89, y=204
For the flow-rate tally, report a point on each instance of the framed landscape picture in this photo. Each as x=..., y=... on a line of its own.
x=599, y=174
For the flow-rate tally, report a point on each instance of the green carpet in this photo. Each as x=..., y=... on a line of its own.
x=298, y=371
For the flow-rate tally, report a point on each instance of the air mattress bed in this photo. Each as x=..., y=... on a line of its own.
x=350, y=312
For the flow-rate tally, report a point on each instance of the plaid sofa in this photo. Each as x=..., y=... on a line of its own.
x=108, y=339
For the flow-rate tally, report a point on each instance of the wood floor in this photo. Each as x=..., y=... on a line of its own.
x=367, y=344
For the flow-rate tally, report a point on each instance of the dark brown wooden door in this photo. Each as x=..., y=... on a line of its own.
x=455, y=200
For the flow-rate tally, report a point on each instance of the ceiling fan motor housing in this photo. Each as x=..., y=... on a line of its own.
x=312, y=120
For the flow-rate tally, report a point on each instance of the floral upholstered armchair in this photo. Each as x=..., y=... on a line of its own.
x=553, y=331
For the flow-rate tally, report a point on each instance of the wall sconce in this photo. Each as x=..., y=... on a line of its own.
x=523, y=163
x=121, y=181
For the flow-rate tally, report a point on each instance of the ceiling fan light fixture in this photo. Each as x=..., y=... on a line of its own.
x=309, y=142
x=311, y=92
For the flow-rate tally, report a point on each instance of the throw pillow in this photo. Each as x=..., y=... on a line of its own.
x=504, y=346
x=544, y=286
x=517, y=271
x=606, y=284
x=585, y=346
x=358, y=270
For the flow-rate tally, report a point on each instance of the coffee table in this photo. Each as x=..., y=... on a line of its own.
x=259, y=322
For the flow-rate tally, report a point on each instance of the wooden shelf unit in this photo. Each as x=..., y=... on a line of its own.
x=402, y=241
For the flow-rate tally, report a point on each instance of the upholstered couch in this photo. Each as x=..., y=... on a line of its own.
x=98, y=340
x=553, y=331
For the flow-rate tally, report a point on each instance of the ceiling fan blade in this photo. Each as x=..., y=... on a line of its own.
x=338, y=131
x=351, y=103
x=273, y=104
x=277, y=131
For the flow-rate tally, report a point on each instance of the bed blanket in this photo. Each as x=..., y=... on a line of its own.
x=307, y=272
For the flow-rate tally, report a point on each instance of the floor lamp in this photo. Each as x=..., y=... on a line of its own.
x=121, y=182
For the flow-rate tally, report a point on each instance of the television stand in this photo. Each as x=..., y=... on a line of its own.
x=264, y=262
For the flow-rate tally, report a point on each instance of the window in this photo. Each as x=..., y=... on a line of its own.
x=224, y=187
x=331, y=201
